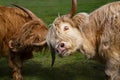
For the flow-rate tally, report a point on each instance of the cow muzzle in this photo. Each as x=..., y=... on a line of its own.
x=61, y=49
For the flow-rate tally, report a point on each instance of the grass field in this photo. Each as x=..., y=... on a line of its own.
x=74, y=67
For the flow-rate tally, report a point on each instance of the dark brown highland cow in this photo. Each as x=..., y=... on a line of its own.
x=96, y=35
x=20, y=33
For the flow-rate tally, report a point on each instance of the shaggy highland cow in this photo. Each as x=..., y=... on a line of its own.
x=21, y=32
x=96, y=35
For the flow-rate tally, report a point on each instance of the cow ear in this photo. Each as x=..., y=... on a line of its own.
x=81, y=19
x=13, y=45
x=10, y=44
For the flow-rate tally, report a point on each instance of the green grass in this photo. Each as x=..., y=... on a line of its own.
x=74, y=67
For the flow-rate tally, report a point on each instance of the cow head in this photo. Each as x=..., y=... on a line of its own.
x=64, y=36
x=32, y=33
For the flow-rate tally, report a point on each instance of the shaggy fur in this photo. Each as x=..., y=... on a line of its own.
x=96, y=35
x=20, y=32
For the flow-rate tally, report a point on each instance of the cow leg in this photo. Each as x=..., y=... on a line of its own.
x=112, y=70
x=15, y=64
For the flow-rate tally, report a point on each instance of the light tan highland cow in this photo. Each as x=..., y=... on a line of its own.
x=96, y=35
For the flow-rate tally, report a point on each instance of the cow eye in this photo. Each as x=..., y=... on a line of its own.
x=66, y=28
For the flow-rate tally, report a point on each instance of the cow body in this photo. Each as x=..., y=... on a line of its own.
x=96, y=35
x=20, y=33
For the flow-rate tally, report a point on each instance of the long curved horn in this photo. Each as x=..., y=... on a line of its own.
x=73, y=9
x=52, y=54
x=33, y=16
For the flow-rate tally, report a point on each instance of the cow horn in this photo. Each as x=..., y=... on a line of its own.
x=39, y=44
x=52, y=50
x=73, y=9
x=33, y=16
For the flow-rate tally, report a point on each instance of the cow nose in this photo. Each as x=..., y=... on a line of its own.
x=61, y=47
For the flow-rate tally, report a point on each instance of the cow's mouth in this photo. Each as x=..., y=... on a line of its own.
x=63, y=53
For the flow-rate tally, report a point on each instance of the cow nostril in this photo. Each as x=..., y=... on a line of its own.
x=62, y=45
